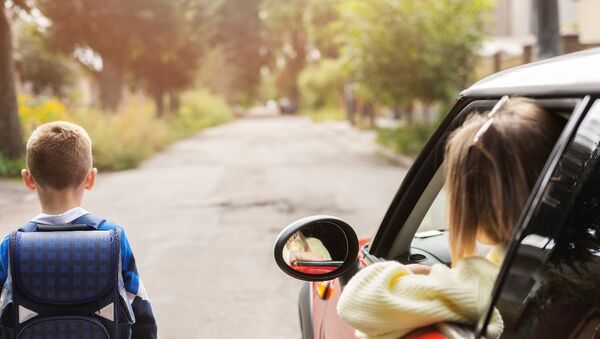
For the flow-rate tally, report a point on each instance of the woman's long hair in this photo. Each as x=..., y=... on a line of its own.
x=298, y=239
x=492, y=164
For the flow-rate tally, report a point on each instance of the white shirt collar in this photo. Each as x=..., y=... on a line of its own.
x=59, y=219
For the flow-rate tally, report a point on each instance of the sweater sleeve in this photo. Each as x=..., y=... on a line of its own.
x=4, y=261
x=145, y=324
x=386, y=300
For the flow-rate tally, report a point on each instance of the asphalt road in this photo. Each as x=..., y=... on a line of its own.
x=203, y=215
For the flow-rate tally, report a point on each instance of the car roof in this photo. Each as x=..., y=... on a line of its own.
x=570, y=74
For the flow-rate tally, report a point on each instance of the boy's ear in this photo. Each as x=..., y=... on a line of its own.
x=90, y=180
x=28, y=180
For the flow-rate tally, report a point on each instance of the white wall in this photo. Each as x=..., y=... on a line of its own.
x=589, y=24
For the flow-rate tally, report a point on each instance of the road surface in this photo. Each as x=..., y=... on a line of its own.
x=203, y=215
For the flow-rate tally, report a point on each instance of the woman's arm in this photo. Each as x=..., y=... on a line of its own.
x=387, y=300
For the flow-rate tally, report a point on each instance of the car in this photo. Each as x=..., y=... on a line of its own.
x=287, y=105
x=549, y=281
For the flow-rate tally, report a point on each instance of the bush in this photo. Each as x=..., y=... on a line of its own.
x=11, y=167
x=322, y=85
x=34, y=111
x=407, y=139
x=123, y=139
x=326, y=114
x=199, y=110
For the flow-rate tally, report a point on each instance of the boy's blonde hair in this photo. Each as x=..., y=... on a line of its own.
x=59, y=155
x=491, y=170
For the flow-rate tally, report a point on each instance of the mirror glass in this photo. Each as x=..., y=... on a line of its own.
x=317, y=248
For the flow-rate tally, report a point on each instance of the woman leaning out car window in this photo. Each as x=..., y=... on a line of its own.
x=492, y=162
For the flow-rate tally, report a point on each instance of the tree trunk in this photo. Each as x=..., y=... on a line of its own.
x=110, y=84
x=11, y=137
x=548, y=30
x=350, y=101
x=296, y=64
x=159, y=101
x=174, y=102
x=409, y=112
x=368, y=113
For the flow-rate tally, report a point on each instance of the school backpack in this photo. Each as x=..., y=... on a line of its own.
x=64, y=281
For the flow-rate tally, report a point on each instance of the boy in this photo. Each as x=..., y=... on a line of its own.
x=59, y=169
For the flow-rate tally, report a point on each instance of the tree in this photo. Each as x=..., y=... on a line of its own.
x=45, y=69
x=400, y=51
x=323, y=27
x=167, y=61
x=287, y=41
x=107, y=27
x=239, y=34
x=11, y=138
x=322, y=84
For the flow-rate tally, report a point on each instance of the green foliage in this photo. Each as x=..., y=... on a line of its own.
x=123, y=139
x=37, y=110
x=323, y=28
x=157, y=43
x=267, y=89
x=239, y=34
x=46, y=70
x=322, y=85
x=326, y=114
x=412, y=49
x=287, y=42
x=10, y=168
x=199, y=110
x=406, y=139
x=167, y=59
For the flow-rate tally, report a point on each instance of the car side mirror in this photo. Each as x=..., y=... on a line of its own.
x=316, y=248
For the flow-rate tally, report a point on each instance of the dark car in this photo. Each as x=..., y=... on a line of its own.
x=287, y=106
x=549, y=282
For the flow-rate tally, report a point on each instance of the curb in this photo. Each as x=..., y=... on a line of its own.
x=395, y=158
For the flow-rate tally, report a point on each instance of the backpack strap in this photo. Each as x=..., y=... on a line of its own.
x=30, y=226
x=90, y=220
x=93, y=222
x=65, y=227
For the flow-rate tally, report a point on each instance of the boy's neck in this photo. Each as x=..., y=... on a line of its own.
x=59, y=201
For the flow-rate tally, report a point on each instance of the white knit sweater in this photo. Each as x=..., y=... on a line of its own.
x=386, y=300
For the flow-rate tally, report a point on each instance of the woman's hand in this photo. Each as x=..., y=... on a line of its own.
x=419, y=269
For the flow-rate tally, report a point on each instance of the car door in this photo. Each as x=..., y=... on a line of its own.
x=549, y=285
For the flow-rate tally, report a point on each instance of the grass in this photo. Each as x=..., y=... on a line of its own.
x=326, y=114
x=407, y=139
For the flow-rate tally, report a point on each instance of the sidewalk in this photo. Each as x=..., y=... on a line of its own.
x=365, y=140
x=15, y=201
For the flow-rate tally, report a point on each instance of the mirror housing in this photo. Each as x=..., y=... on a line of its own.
x=329, y=233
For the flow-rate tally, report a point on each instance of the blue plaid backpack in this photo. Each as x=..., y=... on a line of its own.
x=64, y=282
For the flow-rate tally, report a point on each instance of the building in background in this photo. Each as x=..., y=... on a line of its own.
x=514, y=25
x=588, y=23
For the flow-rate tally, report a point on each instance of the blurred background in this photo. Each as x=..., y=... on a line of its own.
x=183, y=65
x=305, y=107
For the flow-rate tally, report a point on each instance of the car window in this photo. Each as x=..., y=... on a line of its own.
x=552, y=286
x=435, y=218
